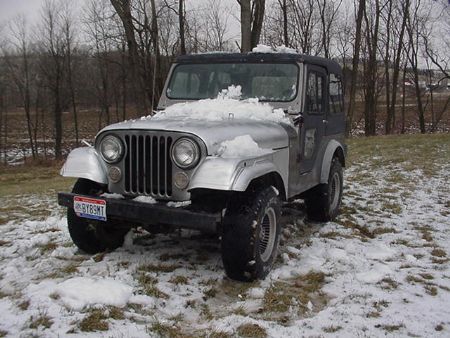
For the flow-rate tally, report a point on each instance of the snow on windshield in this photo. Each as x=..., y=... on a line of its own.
x=227, y=105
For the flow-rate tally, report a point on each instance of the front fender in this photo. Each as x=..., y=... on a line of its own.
x=85, y=163
x=236, y=174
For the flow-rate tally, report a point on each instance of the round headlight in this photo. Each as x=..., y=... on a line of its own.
x=111, y=149
x=185, y=153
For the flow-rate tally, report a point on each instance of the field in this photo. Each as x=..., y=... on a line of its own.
x=381, y=269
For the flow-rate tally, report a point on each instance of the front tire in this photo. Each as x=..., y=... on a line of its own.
x=89, y=235
x=323, y=201
x=251, y=232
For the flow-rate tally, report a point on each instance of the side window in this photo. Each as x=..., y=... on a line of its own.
x=315, y=93
x=336, y=95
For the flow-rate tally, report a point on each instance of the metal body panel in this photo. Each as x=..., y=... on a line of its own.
x=236, y=174
x=152, y=214
x=149, y=174
x=85, y=162
x=332, y=146
x=267, y=134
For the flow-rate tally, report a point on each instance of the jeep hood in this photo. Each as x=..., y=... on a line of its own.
x=267, y=134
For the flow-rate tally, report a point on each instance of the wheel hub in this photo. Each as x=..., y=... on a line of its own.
x=267, y=234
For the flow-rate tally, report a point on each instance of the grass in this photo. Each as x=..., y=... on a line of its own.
x=179, y=280
x=251, y=330
x=158, y=267
x=298, y=292
x=36, y=175
x=166, y=330
x=331, y=328
x=388, y=283
x=438, y=253
x=148, y=284
x=414, y=152
x=42, y=320
x=94, y=321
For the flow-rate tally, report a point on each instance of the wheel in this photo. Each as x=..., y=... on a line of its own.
x=250, y=236
x=89, y=235
x=324, y=200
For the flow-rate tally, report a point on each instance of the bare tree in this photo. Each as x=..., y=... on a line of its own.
x=355, y=65
x=327, y=12
x=21, y=71
x=414, y=24
x=52, y=64
x=67, y=22
x=397, y=48
x=252, y=17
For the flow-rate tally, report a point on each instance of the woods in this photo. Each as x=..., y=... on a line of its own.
x=82, y=65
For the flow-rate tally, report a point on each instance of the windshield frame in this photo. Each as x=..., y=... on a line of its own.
x=167, y=94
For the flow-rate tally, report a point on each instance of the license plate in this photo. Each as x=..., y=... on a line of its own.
x=90, y=208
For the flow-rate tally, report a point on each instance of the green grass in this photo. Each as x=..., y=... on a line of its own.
x=414, y=152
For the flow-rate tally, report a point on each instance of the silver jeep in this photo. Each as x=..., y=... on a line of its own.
x=235, y=136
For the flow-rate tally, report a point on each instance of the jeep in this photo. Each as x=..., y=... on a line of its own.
x=234, y=136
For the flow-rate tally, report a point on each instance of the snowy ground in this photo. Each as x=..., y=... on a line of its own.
x=381, y=269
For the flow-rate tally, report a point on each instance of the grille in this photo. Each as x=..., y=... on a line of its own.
x=147, y=166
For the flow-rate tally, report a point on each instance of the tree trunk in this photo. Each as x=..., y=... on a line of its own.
x=285, y=23
x=246, y=26
x=157, y=68
x=181, y=23
x=396, y=72
x=123, y=9
x=355, y=64
x=370, y=110
x=257, y=18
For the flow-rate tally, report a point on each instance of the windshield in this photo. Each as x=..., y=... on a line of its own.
x=265, y=81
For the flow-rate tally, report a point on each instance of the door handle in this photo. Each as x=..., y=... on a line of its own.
x=325, y=121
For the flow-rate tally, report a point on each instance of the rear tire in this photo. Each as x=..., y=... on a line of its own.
x=324, y=200
x=251, y=232
x=93, y=236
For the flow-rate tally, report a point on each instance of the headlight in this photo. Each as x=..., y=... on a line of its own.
x=185, y=153
x=111, y=149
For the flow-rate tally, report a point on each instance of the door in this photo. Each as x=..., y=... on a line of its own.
x=335, y=113
x=314, y=116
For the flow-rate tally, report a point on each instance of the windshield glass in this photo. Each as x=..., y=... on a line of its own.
x=265, y=81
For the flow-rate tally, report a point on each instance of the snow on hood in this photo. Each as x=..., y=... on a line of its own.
x=217, y=120
x=240, y=146
x=227, y=105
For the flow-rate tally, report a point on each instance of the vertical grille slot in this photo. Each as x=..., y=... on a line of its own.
x=148, y=165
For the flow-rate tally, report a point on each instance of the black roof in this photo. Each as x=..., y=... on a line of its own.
x=332, y=66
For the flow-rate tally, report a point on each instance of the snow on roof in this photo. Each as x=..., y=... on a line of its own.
x=278, y=49
x=227, y=105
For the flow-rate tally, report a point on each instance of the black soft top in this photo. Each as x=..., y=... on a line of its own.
x=330, y=65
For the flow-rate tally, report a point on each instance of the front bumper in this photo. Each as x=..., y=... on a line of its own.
x=152, y=214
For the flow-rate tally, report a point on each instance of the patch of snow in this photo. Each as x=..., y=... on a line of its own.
x=240, y=146
x=278, y=49
x=178, y=204
x=112, y=195
x=376, y=273
x=256, y=293
x=79, y=292
x=275, y=190
x=233, y=92
x=224, y=107
x=145, y=199
x=128, y=240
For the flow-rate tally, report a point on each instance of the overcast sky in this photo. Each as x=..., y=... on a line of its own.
x=11, y=8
